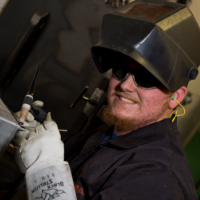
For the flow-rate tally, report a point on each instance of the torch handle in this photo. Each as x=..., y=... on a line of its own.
x=26, y=106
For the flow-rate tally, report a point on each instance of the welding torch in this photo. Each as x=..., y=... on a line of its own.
x=27, y=105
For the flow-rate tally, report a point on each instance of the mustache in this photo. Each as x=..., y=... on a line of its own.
x=118, y=93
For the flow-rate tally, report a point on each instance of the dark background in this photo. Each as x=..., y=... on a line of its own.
x=62, y=49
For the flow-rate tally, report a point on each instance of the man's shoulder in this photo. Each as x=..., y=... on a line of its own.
x=163, y=162
x=167, y=151
x=75, y=142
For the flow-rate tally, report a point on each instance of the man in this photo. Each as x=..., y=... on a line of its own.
x=141, y=156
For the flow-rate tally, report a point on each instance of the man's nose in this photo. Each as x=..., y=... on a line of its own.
x=128, y=84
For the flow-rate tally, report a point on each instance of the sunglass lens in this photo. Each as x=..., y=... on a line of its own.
x=143, y=78
x=119, y=72
x=146, y=80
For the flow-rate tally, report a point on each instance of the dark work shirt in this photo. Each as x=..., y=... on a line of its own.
x=145, y=164
x=108, y=137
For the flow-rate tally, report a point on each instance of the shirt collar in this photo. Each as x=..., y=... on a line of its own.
x=145, y=134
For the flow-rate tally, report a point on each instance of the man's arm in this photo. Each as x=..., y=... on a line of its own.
x=42, y=153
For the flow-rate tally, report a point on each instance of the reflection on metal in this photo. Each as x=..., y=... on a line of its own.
x=174, y=19
x=81, y=96
x=91, y=101
x=62, y=130
x=3, y=4
x=116, y=3
x=8, y=127
x=97, y=96
x=85, y=98
x=11, y=145
x=119, y=3
x=190, y=122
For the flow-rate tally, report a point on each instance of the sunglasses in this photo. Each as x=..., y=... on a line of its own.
x=142, y=78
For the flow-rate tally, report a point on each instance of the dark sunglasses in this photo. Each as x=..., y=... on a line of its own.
x=142, y=78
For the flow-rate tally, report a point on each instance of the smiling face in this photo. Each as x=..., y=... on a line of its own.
x=131, y=107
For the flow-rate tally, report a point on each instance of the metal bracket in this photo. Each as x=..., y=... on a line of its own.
x=97, y=96
x=81, y=96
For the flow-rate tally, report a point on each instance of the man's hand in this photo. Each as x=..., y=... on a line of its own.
x=24, y=132
x=41, y=152
x=42, y=146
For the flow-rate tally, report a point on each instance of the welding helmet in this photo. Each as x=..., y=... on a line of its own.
x=163, y=37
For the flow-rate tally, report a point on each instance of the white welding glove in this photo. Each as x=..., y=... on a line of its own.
x=29, y=125
x=48, y=176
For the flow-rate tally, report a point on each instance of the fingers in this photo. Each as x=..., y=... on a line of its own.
x=38, y=103
x=19, y=136
x=19, y=161
x=31, y=135
x=29, y=117
x=48, y=117
x=33, y=124
x=22, y=144
x=49, y=124
x=25, y=125
x=49, y=128
x=24, y=140
x=30, y=153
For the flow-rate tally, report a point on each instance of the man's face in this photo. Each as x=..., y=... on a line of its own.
x=134, y=106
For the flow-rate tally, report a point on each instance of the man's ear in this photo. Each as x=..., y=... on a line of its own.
x=179, y=96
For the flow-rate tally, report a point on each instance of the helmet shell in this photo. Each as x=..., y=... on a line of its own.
x=163, y=37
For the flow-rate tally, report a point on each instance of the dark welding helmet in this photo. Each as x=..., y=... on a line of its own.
x=161, y=36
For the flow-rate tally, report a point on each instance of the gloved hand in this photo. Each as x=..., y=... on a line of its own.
x=42, y=146
x=42, y=152
x=29, y=126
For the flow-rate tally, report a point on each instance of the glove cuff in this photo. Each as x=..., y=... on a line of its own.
x=50, y=181
x=36, y=167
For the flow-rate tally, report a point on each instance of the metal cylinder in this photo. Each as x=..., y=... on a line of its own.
x=123, y=2
x=117, y=3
